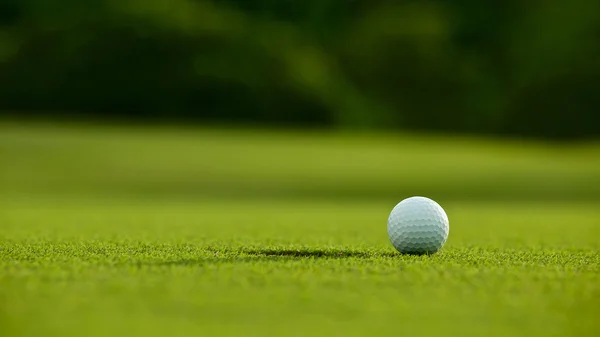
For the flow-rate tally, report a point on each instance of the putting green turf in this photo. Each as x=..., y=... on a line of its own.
x=98, y=267
x=132, y=262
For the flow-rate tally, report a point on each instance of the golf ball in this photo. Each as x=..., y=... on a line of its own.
x=418, y=225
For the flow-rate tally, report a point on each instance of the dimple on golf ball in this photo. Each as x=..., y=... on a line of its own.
x=418, y=225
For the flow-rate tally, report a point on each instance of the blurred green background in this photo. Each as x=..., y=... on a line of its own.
x=526, y=69
x=227, y=167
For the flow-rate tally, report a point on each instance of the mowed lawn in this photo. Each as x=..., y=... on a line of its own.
x=101, y=236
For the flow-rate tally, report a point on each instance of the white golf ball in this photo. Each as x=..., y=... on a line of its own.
x=418, y=225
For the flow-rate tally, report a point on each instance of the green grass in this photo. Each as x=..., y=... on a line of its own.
x=98, y=267
x=100, y=236
x=178, y=163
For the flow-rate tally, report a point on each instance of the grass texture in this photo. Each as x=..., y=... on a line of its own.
x=116, y=251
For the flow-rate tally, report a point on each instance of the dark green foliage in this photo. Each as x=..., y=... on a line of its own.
x=504, y=67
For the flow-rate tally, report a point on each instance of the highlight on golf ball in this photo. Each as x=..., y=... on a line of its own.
x=418, y=225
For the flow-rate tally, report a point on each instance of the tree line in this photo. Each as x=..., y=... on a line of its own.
x=528, y=68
